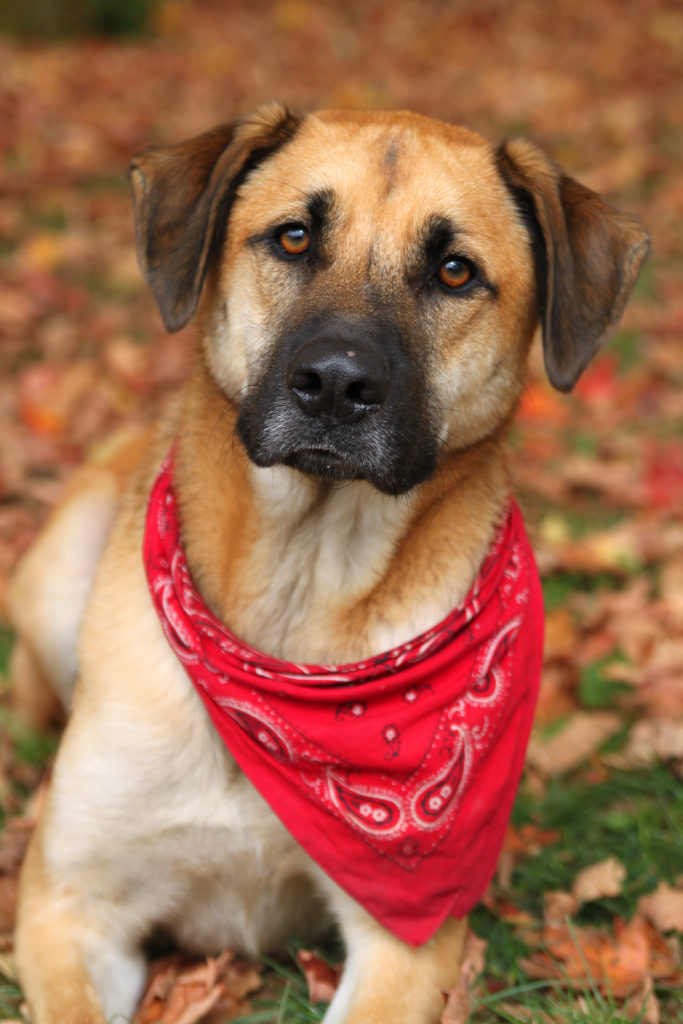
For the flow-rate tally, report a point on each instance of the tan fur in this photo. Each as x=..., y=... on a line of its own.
x=51, y=586
x=149, y=821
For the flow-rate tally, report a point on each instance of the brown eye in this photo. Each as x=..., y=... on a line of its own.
x=294, y=239
x=455, y=273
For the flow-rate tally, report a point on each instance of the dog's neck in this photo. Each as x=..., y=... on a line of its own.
x=307, y=570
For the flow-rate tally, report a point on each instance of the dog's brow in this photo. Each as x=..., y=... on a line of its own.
x=319, y=206
x=439, y=234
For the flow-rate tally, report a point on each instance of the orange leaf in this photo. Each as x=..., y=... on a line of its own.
x=617, y=963
x=540, y=402
x=626, y=960
x=182, y=992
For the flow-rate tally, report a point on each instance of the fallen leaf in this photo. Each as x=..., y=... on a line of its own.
x=13, y=843
x=671, y=587
x=43, y=250
x=606, y=878
x=600, y=382
x=321, y=978
x=190, y=1004
x=583, y=734
x=632, y=955
x=664, y=474
x=127, y=360
x=557, y=697
x=663, y=907
x=643, y=1005
x=618, y=963
x=182, y=993
x=9, y=885
x=650, y=740
x=560, y=634
x=557, y=908
x=529, y=839
x=540, y=402
x=51, y=396
x=459, y=1001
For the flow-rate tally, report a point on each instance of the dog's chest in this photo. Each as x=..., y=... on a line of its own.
x=232, y=877
x=317, y=586
x=194, y=849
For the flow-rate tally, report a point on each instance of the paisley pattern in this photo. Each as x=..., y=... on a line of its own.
x=396, y=774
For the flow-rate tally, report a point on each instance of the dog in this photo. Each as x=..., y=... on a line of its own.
x=329, y=487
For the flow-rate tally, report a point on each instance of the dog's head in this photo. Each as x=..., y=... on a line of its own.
x=372, y=282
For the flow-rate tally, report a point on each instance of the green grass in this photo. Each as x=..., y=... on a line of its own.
x=559, y=586
x=627, y=345
x=10, y=997
x=6, y=641
x=544, y=1002
x=286, y=999
x=634, y=816
x=32, y=746
x=595, y=690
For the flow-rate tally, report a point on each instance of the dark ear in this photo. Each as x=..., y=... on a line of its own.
x=587, y=258
x=182, y=195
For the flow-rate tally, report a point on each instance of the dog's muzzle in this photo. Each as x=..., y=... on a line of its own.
x=342, y=400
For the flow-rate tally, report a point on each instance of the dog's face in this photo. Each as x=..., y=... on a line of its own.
x=375, y=282
x=374, y=298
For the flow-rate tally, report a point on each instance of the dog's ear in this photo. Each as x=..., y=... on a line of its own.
x=587, y=257
x=182, y=196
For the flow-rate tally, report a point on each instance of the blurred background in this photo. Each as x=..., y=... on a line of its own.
x=85, y=84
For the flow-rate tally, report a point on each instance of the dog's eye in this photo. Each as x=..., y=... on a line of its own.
x=455, y=273
x=294, y=239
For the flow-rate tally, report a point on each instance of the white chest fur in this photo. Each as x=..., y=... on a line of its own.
x=194, y=847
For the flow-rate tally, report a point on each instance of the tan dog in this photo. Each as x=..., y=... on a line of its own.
x=369, y=286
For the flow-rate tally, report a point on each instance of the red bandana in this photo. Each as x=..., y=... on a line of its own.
x=396, y=774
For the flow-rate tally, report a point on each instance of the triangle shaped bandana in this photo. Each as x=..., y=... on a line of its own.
x=396, y=774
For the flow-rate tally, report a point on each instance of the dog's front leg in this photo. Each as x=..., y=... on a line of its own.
x=386, y=981
x=73, y=970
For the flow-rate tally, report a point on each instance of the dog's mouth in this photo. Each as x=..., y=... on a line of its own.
x=387, y=450
x=324, y=463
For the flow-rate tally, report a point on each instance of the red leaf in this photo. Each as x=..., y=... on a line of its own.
x=322, y=980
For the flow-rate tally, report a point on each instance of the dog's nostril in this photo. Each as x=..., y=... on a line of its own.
x=367, y=392
x=306, y=381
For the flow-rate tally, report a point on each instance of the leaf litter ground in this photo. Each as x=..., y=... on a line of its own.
x=583, y=920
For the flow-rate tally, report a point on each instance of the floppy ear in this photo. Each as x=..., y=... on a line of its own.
x=587, y=257
x=182, y=196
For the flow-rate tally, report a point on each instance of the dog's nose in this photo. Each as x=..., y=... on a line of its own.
x=338, y=380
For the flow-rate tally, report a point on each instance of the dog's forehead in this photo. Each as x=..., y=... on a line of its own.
x=399, y=168
x=387, y=139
